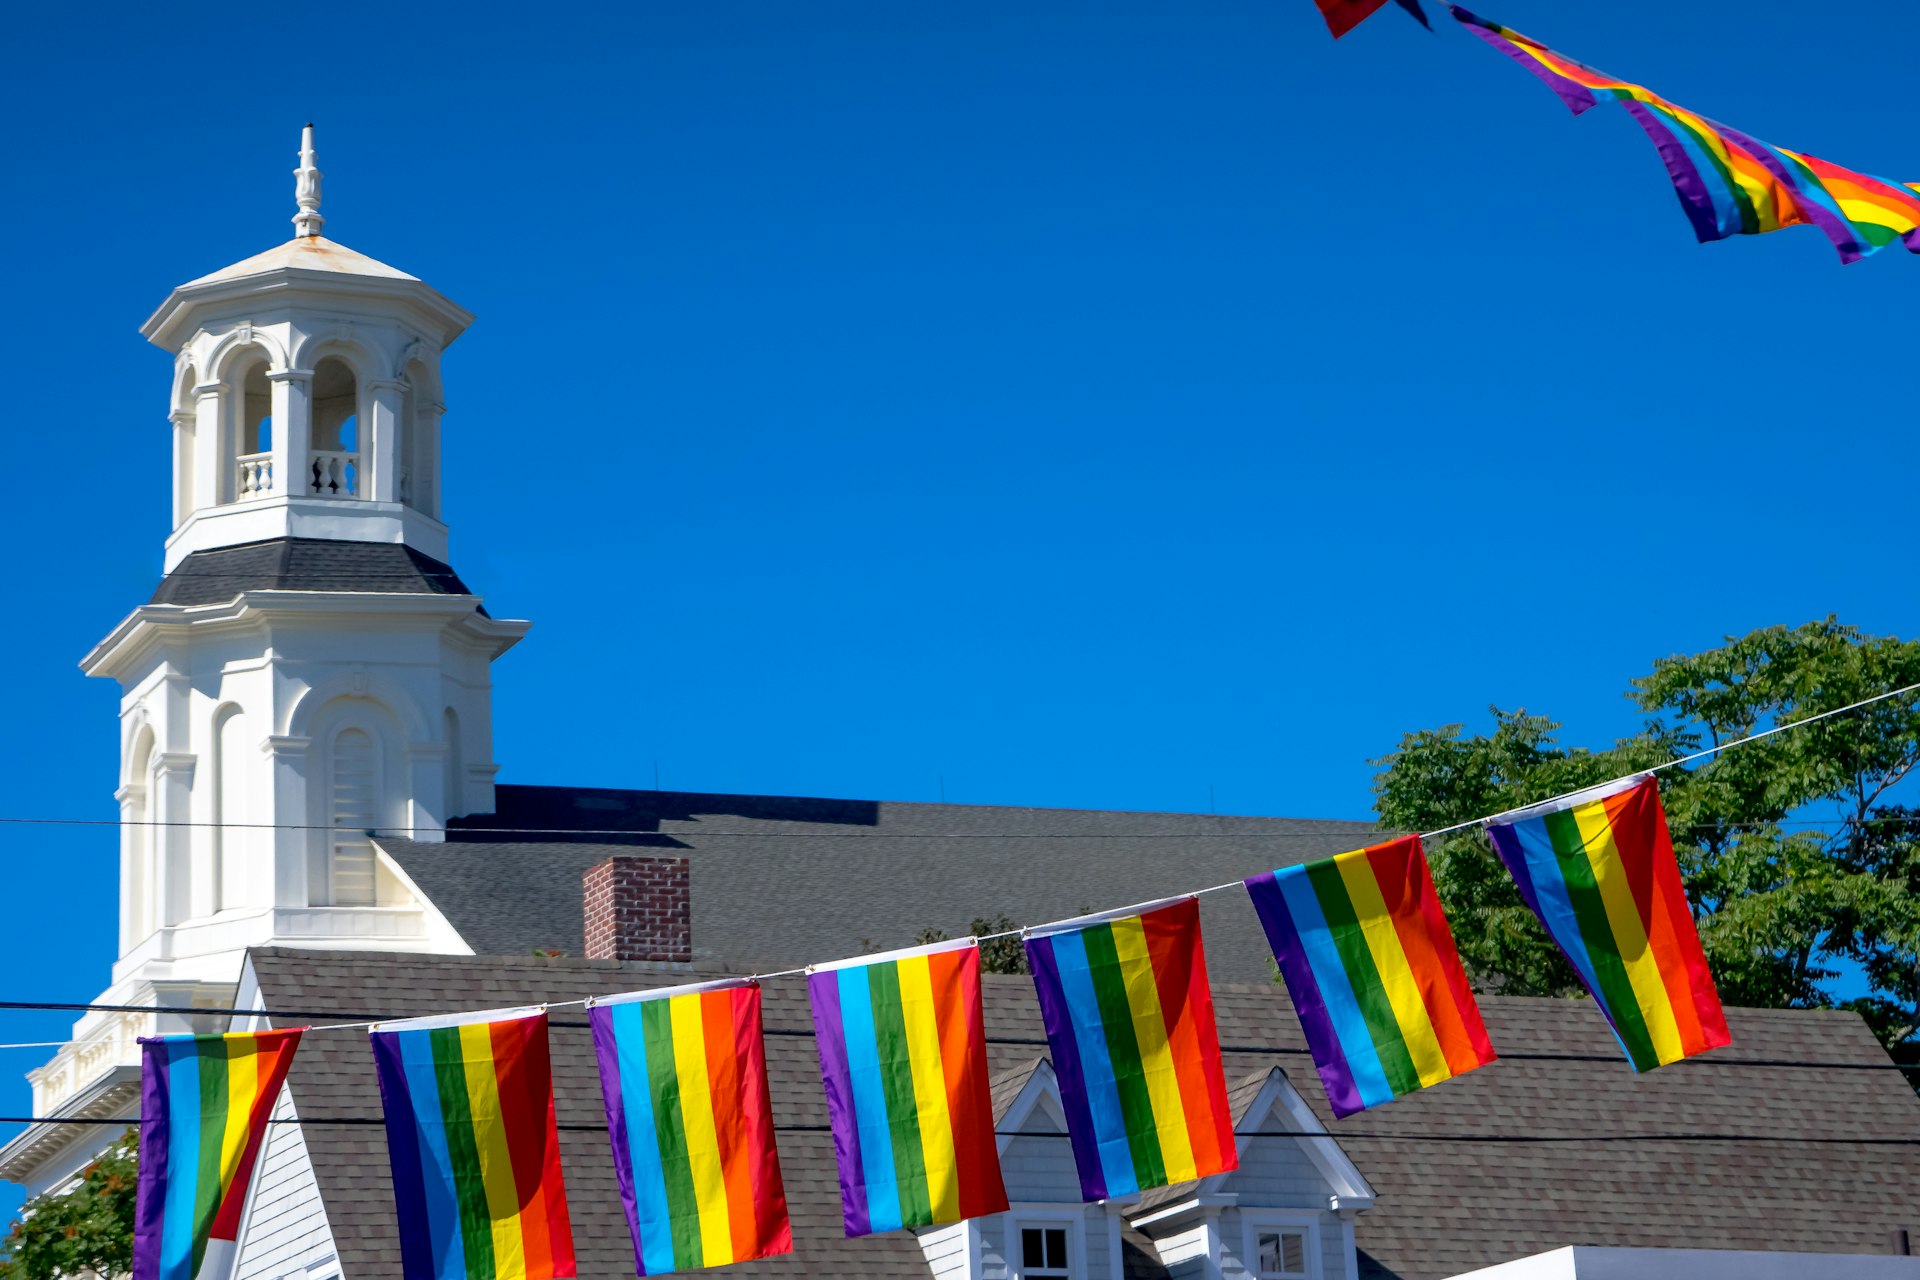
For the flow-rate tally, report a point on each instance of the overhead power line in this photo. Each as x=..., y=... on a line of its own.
x=706, y=834
x=1231, y=884
x=1037, y=835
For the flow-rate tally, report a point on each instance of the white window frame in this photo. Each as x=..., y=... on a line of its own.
x=1254, y=1221
x=1075, y=1225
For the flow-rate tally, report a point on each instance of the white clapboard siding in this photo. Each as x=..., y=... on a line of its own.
x=1277, y=1172
x=1038, y=1166
x=285, y=1231
x=946, y=1251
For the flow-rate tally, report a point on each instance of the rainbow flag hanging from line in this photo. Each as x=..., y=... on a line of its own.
x=204, y=1105
x=1729, y=183
x=684, y=1073
x=1373, y=972
x=1129, y=1018
x=903, y=1054
x=1343, y=16
x=1598, y=869
x=474, y=1147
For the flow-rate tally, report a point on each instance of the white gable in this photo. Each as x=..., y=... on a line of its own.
x=1295, y=1188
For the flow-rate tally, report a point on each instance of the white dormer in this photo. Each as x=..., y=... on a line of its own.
x=1048, y=1232
x=1287, y=1213
x=306, y=395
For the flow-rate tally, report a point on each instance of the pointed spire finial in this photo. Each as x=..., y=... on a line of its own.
x=306, y=189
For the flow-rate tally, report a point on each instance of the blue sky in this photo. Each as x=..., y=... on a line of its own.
x=1116, y=404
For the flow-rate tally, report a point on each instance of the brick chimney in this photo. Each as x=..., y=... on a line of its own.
x=638, y=908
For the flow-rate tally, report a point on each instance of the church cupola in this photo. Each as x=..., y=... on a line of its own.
x=306, y=397
x=311, y=676
x=310, y=683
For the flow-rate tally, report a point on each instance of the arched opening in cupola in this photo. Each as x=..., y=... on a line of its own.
x=335, y=445
x=256, y=416
x=251, y=426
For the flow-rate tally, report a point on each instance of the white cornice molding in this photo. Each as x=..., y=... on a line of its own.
x=168, y=763
x=150, y=625
x=33, y=1147
x=171, y=322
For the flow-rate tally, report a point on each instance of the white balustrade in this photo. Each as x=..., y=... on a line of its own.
x=335, y=474
x=81, y=1062
x=256, y=475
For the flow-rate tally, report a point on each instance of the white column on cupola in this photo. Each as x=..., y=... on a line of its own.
x=292, y=428
x=380, y=437
x=209, y=485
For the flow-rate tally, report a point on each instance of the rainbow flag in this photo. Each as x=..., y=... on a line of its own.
x=1728, y=183
x=903, y=1053
x=1373, y=972
x=1343, y=16
x=204, y=1104
x=474, y=1147
x=1129, y=1018
x=684, y=1073
x=1598, y=869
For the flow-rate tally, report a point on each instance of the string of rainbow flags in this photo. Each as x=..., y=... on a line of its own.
x=1729, y=182
x=1360, y=940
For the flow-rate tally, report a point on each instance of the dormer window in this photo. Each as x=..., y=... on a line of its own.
x=1282, y=1247
x=1045, y=1251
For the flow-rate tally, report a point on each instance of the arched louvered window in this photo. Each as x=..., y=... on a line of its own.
x=356, y=804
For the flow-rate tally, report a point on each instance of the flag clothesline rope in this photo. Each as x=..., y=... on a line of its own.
x=1495, y=817
x=1717, y=749
x=1002, y=1041
x=1824, y=1139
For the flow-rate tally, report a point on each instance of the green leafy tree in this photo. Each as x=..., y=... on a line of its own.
x=87, y=1230
x=1796, y=860
x=997, y=955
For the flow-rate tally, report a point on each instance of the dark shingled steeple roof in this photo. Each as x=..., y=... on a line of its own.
x=306, y=564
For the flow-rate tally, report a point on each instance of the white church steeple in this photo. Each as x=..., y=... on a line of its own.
x=306, y=398
x=310, y=678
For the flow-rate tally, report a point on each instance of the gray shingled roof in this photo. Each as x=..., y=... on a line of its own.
x=770, y=874
x=1446, y=1203
x=306, y=564
x=1006, y=1085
